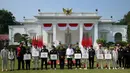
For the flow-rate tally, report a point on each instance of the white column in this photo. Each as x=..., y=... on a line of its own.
x=54, y=33
x=80, y=34
x=95, y=34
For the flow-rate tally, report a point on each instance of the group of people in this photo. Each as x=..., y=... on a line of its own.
x=84, y=57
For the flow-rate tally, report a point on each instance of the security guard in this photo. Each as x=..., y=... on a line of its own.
x=121, y=57
x=91, y=53
x=78, y=60
x=61, y=53
x=53, y=57
x=44, y=58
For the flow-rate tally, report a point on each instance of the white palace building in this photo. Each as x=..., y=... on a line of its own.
x=68, y=28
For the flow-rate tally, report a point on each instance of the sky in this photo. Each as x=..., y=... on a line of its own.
x=29, y=8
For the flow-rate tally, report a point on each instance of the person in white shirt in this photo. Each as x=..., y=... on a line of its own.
x=35, y=56
x=100, y=51
x=11, y=57
x=4, y=57
x=107, y=51
x=114, y=57
x=69, y=54
x=84, y=51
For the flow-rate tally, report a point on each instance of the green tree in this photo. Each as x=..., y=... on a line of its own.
x=127, y=20
x=6, y=18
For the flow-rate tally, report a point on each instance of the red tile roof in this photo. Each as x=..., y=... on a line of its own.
x=4, y=37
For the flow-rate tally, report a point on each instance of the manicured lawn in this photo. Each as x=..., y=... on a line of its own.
x=66, y=70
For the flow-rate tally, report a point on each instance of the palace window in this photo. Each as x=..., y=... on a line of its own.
x=17, y=37
x=103, y=35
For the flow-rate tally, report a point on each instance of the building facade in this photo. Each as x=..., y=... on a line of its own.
x=68, y=29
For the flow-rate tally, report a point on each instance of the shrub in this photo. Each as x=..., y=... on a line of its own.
x=101, y=41
x=122, y=43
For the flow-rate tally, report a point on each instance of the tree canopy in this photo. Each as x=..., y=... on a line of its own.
x=6, y=18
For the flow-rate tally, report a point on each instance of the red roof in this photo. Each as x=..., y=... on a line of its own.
x=4, y=37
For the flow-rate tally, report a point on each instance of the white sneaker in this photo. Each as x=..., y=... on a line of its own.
x=85, y=68
x=123, y=68
x=55, y=69
x=109, y=68
x=6, y=69
x=2, y=70
x=80, y=68
x=115, y=68
x=75, y=68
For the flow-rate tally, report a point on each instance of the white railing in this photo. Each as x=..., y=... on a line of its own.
x=62, y=14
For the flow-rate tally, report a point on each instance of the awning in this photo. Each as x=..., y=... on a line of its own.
x=4, y=37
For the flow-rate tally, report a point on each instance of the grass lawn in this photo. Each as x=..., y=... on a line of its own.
x=66, y=70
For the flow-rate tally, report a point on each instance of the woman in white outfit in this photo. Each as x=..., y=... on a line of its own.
x=11, y=57
x=100, y=51
x=108, y=61
x=114, y=58
x=84, y=51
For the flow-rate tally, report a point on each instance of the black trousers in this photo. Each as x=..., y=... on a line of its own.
x=91, y=62
x=42, y=62
x=127, y=62
x=70, y=63
x=121, y=62
x=53, y=63
x=78, y=63
x=62, y=63
x=27, y=64
x=20, y=60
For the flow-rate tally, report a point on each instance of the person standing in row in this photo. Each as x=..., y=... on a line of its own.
x=53, y=57
x=4, y=57
x=127, y=57
x=20, y=51
x=44, y=56
x=114, y=58
x=107, y=53
x=28, y=53
x=100, y=53
x=91, y=53
x=78, y=56
x=62, y=56
x=35, y=57
x=121, y=57
x=69, y=54
x=84, y=51
x=11, y=57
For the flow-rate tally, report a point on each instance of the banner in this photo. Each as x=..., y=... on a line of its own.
x=99, y=56
x=62, y=26
x=44, y=55
x=108, y=56
x=27, y=56
x=53, y=56
x=77, y=56
x=35, y=53
x=88, y=26
x=47, y=26
x=73, y=26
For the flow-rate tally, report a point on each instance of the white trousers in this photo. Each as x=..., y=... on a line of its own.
x=4, y=64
